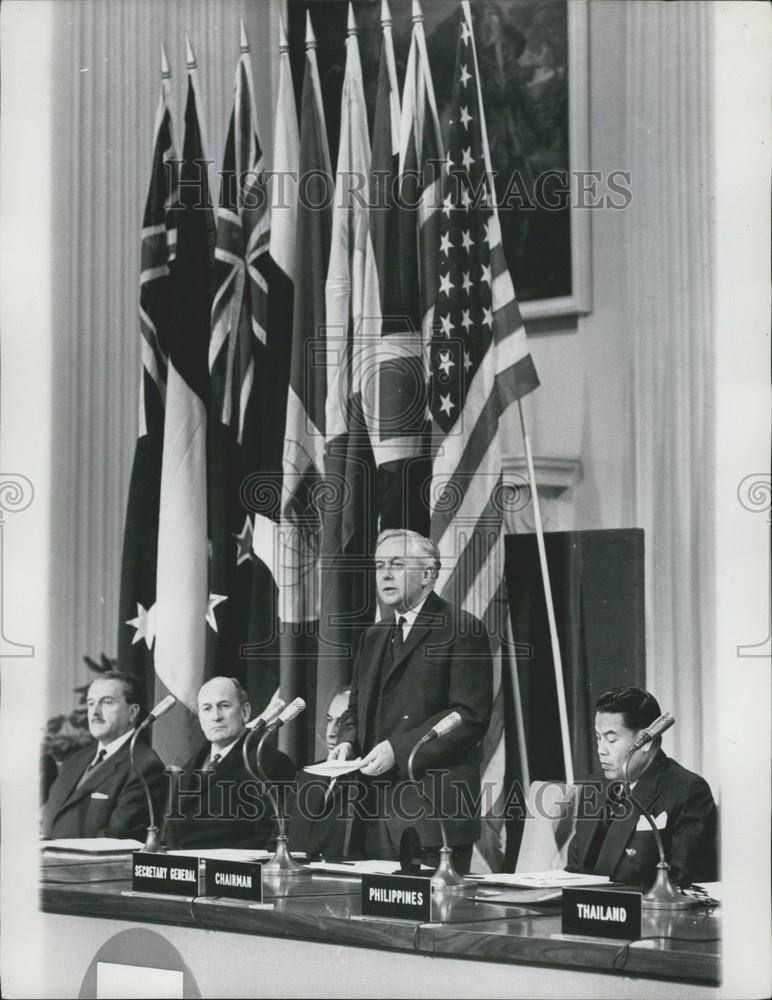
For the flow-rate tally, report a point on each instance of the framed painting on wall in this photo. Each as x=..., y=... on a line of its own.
x=533, y=58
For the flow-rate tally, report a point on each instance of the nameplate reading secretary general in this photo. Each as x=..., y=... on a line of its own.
x=424, y=660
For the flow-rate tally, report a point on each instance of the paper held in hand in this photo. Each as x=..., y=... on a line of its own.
x=334, y=768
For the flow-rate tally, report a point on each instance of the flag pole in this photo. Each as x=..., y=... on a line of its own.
x=545, y=576
x=522, y=744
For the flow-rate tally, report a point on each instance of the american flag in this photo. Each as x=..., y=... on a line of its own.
x=479, y=365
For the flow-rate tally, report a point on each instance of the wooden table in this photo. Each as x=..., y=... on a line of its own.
x=312, y=940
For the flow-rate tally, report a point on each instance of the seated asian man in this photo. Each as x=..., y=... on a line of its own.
x=97, y=794
x=612, y=837
x=219, y=803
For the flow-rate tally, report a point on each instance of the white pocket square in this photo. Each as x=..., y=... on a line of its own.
x=659, y=821
x=99, y=795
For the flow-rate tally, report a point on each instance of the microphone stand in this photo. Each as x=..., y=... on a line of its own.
x=153, y=843
x=663, y=895
x=445, y=878
x=282, y=862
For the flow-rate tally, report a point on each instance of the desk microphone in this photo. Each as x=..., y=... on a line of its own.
x=292, y=711
x=152, y=841
x=445, y=725
x=657, y=728
x=663, y=895
x=446, y=877
x=161, y=708
x=282, y=862
x=266, y=717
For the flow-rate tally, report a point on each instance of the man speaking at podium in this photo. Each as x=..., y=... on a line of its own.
x=422, y=661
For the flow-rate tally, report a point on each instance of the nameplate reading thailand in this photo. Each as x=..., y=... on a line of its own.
x=602, y=913
x=403, y=897
x=171, y=875
x=234, y=880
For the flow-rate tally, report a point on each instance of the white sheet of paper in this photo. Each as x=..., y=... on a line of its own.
x=92, y=845
x=224, y=854
x=554, y=879
x=372, y=867
x=334, y=768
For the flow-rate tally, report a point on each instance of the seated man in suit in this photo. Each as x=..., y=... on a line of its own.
x=96, y=793
x=613, y=838
x=219, y=803
x=421, y=662
x=317, y=819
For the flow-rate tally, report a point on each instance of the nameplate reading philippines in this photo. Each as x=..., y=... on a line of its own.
x=404, y=897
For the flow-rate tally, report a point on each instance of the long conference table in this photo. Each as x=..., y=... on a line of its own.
x=308, y=938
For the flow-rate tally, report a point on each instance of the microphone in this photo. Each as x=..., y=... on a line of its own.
x=657, y=728
x=282, y=862
x=446, y=725
x=663, y=895
x=445, y=878
x=152, y=842
x=267, y=716
x=162, y=708
x=292, y=711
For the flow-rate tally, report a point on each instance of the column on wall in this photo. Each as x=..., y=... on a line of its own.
x=671, y=337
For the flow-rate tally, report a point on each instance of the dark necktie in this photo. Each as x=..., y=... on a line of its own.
x=215, y=760
x=92, y=766
x=398, y=635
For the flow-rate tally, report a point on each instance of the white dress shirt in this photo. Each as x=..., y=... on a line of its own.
x=410, y=617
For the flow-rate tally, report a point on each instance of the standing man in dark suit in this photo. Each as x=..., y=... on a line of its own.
x=220, y=804
x=97, y=794
x=424, y=660
x=613, y=838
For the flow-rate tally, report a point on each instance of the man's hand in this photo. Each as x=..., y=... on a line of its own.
x=341, y=752
x=379, y=760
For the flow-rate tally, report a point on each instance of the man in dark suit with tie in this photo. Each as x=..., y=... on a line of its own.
x=612, y=836
x=97, y=794
x=424, y=660
x=219, y=803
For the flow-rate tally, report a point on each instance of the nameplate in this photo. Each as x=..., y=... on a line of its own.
x=234, y=880
x=403, y=897
x=172, y=875
x=602, y=913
